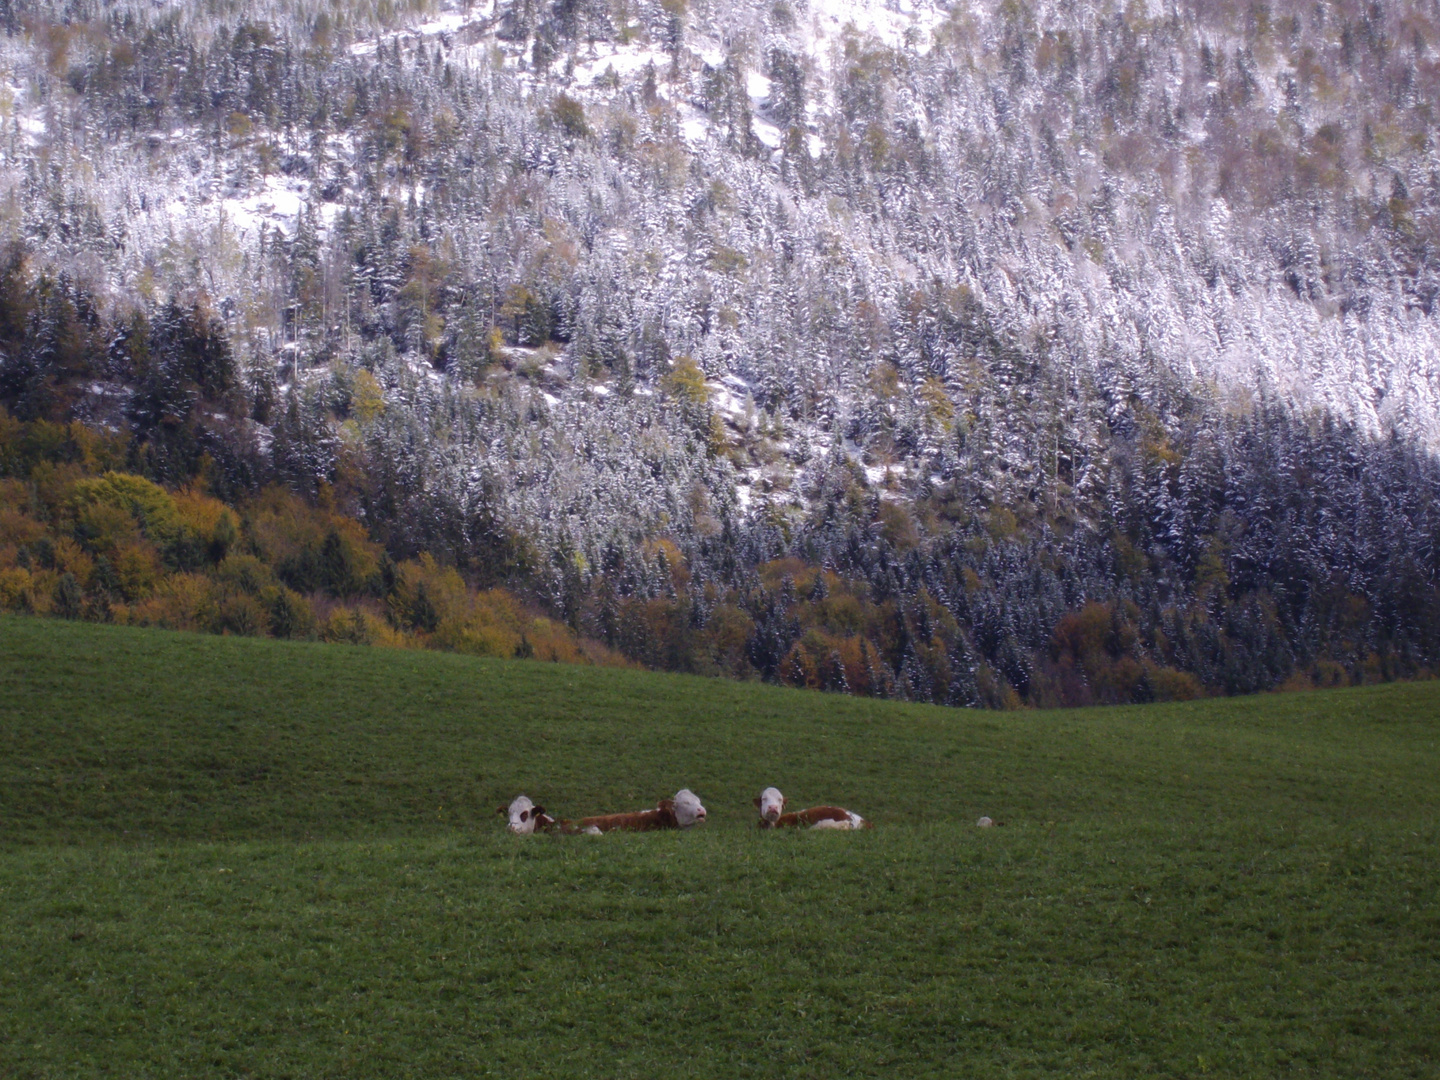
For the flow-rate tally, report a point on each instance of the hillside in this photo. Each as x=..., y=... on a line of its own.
x=1089, y=347
x=268, y=858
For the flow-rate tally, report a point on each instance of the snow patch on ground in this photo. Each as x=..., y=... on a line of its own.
x=278, y=203
x=445, y=24
x=694, y=128
x=890, y=21
x=624, y=62
x=767, y=133
x=731, y=400
x=450, y=22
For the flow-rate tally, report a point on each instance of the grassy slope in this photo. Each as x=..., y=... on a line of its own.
x=241, y=857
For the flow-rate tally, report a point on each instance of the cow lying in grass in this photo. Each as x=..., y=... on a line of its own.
x=681, y=812
x=771, y=805
x=526, y=818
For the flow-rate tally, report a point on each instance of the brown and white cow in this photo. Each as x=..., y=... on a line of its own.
x=771, y=805
x=525, y=817
x=681, y=812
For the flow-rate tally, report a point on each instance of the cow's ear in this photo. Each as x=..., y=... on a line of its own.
x=539, y=810
x=784, y=802
x=665, y=804
x=502, y=809
x=757, y=802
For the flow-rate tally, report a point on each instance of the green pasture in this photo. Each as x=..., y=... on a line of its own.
x=229, y=857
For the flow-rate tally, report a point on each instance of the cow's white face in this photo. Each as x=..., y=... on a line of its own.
x=523, y=813
x=771, y=804
x=688, y=810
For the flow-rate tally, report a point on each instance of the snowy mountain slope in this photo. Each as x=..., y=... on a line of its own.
x=766, y=278
x=962, y=182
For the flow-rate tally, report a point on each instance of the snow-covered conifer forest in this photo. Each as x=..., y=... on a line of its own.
x=991, y=352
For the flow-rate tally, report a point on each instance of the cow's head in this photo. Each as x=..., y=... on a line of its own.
x=688, y=810
x=771, y=805
x=524, y=816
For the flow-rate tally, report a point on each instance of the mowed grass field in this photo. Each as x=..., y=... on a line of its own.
x=230, y=857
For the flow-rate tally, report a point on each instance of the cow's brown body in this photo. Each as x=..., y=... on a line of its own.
x=805, y=819
x=661, y=817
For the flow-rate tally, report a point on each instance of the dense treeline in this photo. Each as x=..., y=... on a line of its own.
x=1257, y=552
x=988, y=613
x=82, y=539
x=1225, y=552
x=1084, y=354
x=1239, y=191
